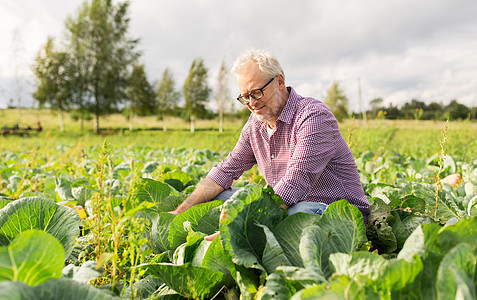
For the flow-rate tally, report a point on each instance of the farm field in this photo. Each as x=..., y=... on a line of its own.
x=84, y=216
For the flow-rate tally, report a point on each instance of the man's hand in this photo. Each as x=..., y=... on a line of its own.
x=205, y=191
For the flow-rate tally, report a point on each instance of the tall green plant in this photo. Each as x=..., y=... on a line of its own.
x=442, y=157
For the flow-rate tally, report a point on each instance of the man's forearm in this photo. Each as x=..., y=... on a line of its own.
x=205, y=191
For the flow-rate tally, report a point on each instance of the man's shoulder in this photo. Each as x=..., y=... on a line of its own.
x=307, y=105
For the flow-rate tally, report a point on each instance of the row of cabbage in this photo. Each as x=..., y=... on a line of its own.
x=419, y=243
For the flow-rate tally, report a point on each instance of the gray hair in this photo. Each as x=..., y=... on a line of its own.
x=267, y=63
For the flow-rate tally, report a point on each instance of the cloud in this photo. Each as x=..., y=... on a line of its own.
x=399, y=49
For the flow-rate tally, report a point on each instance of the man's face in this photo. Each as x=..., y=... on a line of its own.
x=267, y=108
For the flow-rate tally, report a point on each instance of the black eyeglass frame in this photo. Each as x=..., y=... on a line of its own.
x=241, y=98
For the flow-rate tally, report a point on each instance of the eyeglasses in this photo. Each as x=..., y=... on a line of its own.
x=255, y=94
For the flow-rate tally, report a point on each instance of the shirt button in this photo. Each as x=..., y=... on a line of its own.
x=273, y=156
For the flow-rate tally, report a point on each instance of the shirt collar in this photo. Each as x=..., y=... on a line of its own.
x=286, y=115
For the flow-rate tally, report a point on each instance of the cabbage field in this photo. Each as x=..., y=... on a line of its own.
x=93, y=223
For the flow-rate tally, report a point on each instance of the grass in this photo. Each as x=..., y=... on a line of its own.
x=418, y=139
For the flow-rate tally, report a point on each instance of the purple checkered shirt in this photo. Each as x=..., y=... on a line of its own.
x=305, y=159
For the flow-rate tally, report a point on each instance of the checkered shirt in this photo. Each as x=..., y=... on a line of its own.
x=305, y=159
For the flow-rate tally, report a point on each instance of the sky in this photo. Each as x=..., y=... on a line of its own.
x=397, y=50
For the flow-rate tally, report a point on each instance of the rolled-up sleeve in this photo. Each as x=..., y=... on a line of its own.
x=314, y=148
x=240, y=159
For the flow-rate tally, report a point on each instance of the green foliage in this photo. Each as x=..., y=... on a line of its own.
x=54, y=289
x=337, y=102
x=102, y=54
x=143, y=251
x=42, y=214
x=53, y=72
x=196, y=91
x=140, y=93
x=166, y=95
x=25, y=259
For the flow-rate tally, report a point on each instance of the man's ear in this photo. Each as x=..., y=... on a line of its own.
x=281, y=81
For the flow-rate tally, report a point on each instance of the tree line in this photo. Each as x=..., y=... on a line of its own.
x=419, y=110
x=337, y=101
x=96, y=72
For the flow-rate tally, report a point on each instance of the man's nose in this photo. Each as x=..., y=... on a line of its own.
x=253, y=101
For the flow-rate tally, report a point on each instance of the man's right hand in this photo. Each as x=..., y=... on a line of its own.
x=205, y=191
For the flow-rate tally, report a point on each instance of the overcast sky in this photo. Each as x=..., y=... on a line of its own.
x=397, y=49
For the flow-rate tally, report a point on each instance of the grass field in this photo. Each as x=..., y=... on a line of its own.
x=119, y=194
x=417, y=138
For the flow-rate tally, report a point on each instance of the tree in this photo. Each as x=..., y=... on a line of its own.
x=53, y=73
x=408, y=110
x=222, y=94
x=81, y=94
x=376, y=105
x=166, y=95
x=141, y=95
x=434, y=111
x=456, y=111
x=196, y=91
x=337, y=102
x=99, y=33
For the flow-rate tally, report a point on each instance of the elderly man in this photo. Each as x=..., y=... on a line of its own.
x=295, y=141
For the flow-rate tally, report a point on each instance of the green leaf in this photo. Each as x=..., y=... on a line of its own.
x=4, y=201
x=448, y=208
x=209, y=223
x=32, y=257
x=438, y=241
x=363, y=267
x=286, y=281
x=53, y=289
x=84, y=273
x=340, y=229
x=63, y=188
x=247, y=281
x=239, y=233
x=187, y=280
x=379, y=232
x=39, y=213
x=81, y=194
x=414, y=245
x=403, y=230
x=278, y=287
x=160, y=232
x=188, y=221
x=314, y=249
x=218, y=260
x=194, y=241
x=457, y=273
x=340, y=288
x=472, y=207
x=156, y=192
x=288, y=234
x=465, y=231
x=273, y=255
x=398, y=274
x=200, y=251
x=177, y=179
x=411, y=202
